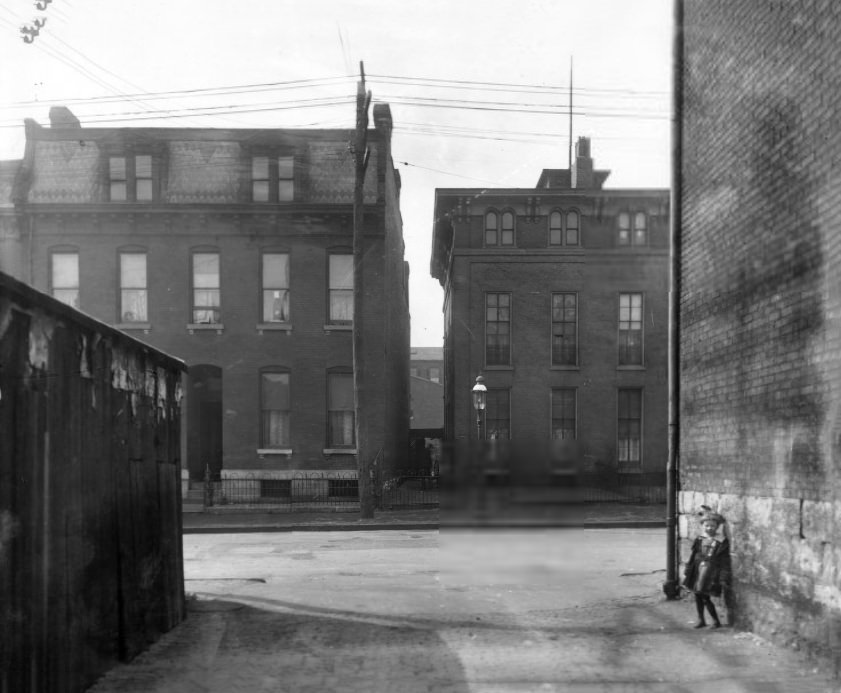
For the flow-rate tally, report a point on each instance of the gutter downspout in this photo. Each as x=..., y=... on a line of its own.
x=671, y=586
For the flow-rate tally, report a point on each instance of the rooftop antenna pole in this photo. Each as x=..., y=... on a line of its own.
x=570, y=113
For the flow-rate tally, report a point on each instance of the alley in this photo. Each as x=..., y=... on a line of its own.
x=391, y=611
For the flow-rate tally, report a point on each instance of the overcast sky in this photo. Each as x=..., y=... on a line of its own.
x=479, y=89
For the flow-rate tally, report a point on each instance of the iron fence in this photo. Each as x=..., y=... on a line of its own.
x=410, y=489
x=317, y=491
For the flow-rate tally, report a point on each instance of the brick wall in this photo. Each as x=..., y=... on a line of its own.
x=307, y=350
x=598, y=272
x=760, y=304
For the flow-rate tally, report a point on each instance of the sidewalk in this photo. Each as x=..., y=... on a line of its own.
x=493, y=515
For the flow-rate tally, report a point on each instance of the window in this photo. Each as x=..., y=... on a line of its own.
x=630, y=427
x=563, y=413
x=64, y=277
x=206, y=288
x=118, y=178
x=413, y=371
x=630, y=329
x=274, y=410
x=341, y=289
x=491, y=228
x=340, y=410
x=556, y=228
x=499, y=230
x=131, y=178
x=633, y=229
x=498, y=415
x=640, y=236
x=572, y=228
x=564, y=329
x=272, y=178
x=133, y=290
x=564, y=228
x=497, y=329
x=507, y=237
x=275, y=287
x=435, y=375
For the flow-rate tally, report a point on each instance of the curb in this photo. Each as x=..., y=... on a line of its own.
x=427, y=526
x=242, y=529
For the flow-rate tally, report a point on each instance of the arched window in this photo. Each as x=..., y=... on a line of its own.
x=624, y=237
x=640, y=229
x=491, y=228
x=555, y=228
x=572, y=236
x=507, y=229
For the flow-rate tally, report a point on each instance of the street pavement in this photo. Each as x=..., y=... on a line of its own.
x=466, y=610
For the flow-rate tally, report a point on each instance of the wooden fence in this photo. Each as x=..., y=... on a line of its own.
x=91, y=566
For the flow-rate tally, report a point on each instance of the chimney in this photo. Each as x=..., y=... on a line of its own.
x=62, y=117
x=582, y=167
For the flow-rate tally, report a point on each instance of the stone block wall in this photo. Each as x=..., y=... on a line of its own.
x=760, y=303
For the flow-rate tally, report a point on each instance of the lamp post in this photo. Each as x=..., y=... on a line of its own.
x=479, y=398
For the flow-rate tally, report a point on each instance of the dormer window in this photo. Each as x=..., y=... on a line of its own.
x=272, y=178
x=131, y=178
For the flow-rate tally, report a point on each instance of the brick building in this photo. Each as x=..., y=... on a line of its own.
x=427, y=363
x=231, y=249
x=557, y=296
x=760, y=305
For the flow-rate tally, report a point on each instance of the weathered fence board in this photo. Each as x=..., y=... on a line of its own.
x=90, y=507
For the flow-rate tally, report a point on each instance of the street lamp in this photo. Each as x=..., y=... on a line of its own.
x=479, y=395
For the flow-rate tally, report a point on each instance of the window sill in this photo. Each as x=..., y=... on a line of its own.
x=564, y=368
x=338, y=328
x=217, y=327
x=274, y=327
x=129, y=326
x=630, y=368
x=499, y=368
x=339, y=451
x=274, y=451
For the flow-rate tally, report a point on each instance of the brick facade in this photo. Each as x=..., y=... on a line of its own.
x=596, y=269
x=760, y=348
x=203, y=184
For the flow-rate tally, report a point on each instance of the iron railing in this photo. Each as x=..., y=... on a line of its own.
x=410, y=489
x=305, y=491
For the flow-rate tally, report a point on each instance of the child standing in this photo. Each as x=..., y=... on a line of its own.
x=708, y=568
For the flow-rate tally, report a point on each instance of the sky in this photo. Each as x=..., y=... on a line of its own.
x=479, y=89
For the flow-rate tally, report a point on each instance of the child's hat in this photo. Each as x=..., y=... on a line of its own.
x=707, y=514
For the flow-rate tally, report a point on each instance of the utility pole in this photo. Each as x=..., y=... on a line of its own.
x=360, y=156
